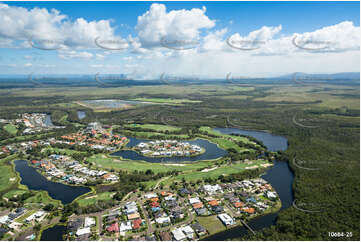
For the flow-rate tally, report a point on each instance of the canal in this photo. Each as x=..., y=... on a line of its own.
x=35, y=181
x=279, y=176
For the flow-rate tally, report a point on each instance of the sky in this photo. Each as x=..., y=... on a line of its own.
x=205, y=39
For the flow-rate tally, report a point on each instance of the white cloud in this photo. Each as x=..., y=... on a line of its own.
x=96, y=66
x=70, y=54
x=18, y=23
x=157, y=24
x=99, y=56
x=28, y=64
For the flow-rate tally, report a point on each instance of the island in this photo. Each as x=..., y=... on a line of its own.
x=163, y=148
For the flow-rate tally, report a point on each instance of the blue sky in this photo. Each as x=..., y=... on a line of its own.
x=271, y=23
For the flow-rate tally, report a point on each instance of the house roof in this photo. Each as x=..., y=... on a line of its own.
x=137, y=223
x=213, y=203
x=197, y=205
x=238, y=204
x=113, y=228
x=248, y=210
x=133, y=216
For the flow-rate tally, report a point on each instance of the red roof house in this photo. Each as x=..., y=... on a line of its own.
x=113, y=228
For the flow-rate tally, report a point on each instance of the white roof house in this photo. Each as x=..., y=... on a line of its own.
x=194, y=200
x=226, y=219
x=35, y=216
x=162, y=220
x=83, y=231
x=150, y=195
x=188, y=231
x=125, y=226
x=271, y=194
x=212, y=189
x=178, y=234
x=89, y=222
x=4, y=219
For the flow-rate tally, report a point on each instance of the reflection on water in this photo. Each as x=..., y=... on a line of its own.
x=54, y=233
x=35, y=181
x=272, y=142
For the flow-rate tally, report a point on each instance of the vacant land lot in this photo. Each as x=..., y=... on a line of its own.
x=211, y=223
x=155, y=127
x=11, y=129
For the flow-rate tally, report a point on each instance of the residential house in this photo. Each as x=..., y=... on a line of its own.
x=113, y=228
x=226, y=219
x=199, y=229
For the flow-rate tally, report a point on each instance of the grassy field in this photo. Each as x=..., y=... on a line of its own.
x=223, y=170
x=94, y=198
x=146, y=135
x=155, y=127
x=13, y=193
x=11, y=129
x=6, y=174
x=211, y=223
x=62, y=151
x=166, y=100
x=42, y=198
x=129, y=165
x=8, y=177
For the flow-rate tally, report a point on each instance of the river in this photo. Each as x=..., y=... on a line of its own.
x=279, y=176
x=35, y=181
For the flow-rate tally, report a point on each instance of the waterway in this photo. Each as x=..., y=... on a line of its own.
x=81, y=114
x=54, y=233
x=48, y=121
x=36, y=181
x=272, y=142
x=212, y=151
x=279, y=176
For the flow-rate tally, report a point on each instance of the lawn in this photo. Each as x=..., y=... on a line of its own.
x=166, y=100
x=129, y=165
x=214, y=132
x=13, y=193
x=223, y=170
x=211, y=223
x=11, y=129
x=62, y=151
x=146, y=135
x=42, y=197
x=6, y=173
x=94, y=198
x=155, y=127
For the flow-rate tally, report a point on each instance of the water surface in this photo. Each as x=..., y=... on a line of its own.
x=36, y=181
x=272, y=142
x=279, y=176
x=81, y=114
x=54, y=233
x=212, y=151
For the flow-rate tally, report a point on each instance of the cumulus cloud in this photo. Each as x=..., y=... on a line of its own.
x=340, y=37
x=264, y=50
x=39, y=24
x=70, y=54
x=157, y=24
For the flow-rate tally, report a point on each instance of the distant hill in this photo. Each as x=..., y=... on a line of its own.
x=334, y=76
